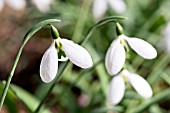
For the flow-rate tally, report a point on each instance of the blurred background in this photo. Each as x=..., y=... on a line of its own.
x=83, y=91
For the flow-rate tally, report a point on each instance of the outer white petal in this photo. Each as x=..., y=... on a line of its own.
x=77, y=54
x=16, y=4
x=142, y=47
x=118, y=5
x=116, y=90
x=115, y=57
x=1, y=5
x=49, y=64
x=140, y=85
x=43, y=5
x=99, y=8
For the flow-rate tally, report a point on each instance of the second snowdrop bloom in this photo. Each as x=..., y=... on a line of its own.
x=43, y=5
x=61, y=50
x=116, y=55
x=14, y=4
x=117, y=86
x=165, y=41
x=100, y=7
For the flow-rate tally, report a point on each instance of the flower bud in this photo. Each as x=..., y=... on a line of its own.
x=119, y=29
x=54, y=32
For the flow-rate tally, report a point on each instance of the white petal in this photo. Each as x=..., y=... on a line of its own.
x=142, y=47
x=118, y=5
x=1, y=5
x=115, y=57
x=116, y=90
x=49, y=64
x=16, y=4
x=140, y=85
x=99, y=8
x=77, y=54
x=43, y=5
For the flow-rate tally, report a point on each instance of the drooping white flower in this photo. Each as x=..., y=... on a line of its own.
x=74, y=52
x=165, y=41
x=115, y=56
x=100, y=6
x=117, y=86
x=1, y=5
x=14, y=4
x=42, y=5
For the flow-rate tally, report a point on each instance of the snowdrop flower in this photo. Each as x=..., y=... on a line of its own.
x=43, y=5
x=14, y=4
x=62, y=49
x=115, y=56
x=165, y=42
x=100, y=7
x=117, y=86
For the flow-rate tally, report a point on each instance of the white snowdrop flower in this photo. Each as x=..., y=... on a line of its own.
x=118, y=5
x=1, y=5
x=165, y=41
x=14, y=4
x=61, y=50
x=42, y=5
x=100, y=6
x=117, y=86
x=115, y=56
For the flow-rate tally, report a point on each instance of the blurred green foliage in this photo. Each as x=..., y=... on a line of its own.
x=85, y=91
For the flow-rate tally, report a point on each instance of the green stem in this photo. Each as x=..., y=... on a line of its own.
x=89, y=33
x=80, y=75
x=29, y=34
x=99, y=24
x=51, y=87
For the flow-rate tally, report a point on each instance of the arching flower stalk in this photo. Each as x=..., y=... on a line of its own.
x=117, y=86
x=116, y=55
x=61, y=50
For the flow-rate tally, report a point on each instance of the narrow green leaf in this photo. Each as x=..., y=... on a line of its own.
x=10, y=101
x=30, y=101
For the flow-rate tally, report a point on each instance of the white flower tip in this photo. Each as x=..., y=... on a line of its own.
x=148, y=94
x=49, y=64
x=89, y=63
x=46, y=78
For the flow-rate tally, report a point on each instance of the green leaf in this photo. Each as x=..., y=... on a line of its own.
x=10, y=100
x=30, y=101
